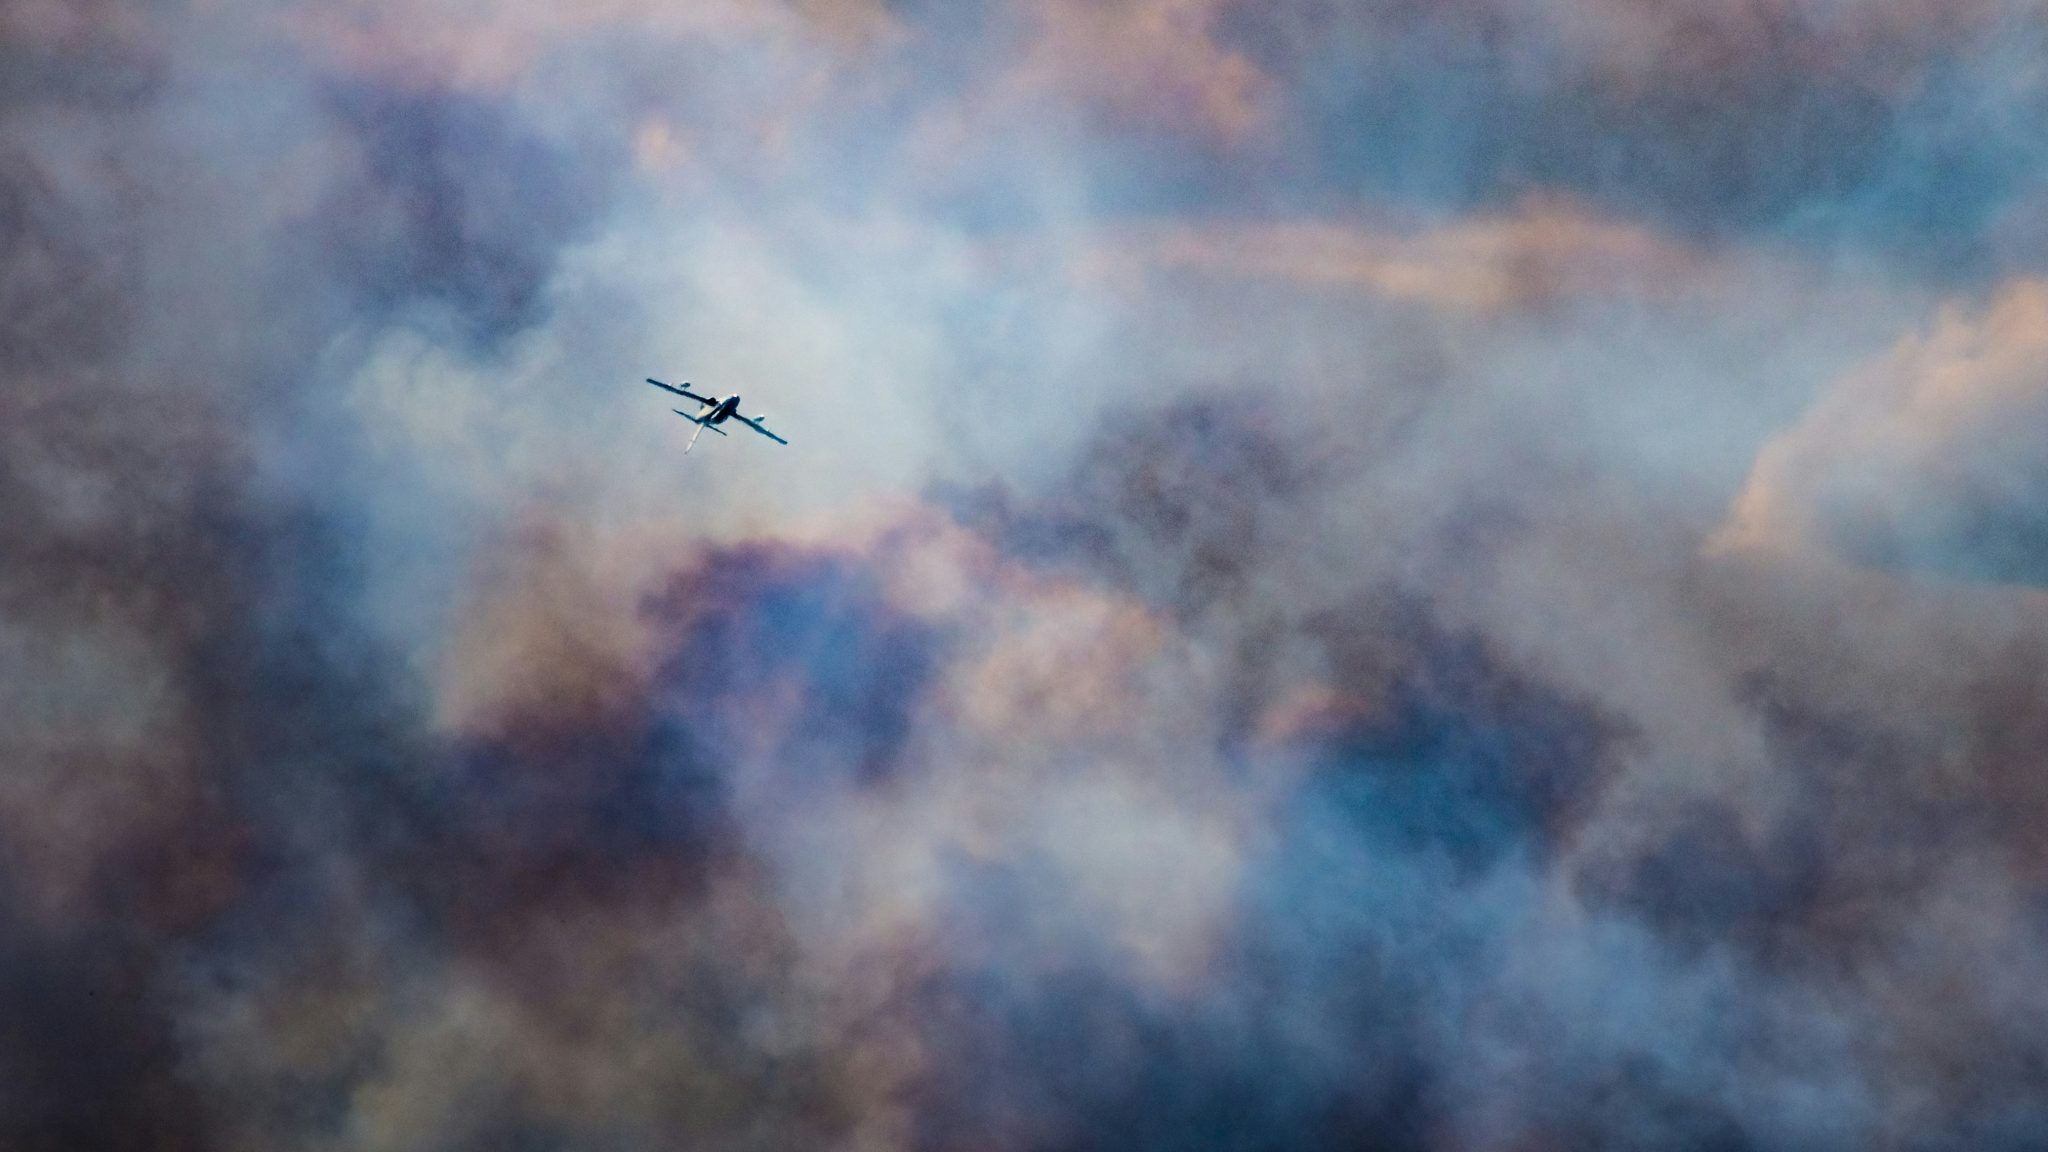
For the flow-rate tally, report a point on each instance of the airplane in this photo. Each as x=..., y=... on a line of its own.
x=721, y=411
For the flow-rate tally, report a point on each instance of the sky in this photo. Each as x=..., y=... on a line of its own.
x=1452, y=577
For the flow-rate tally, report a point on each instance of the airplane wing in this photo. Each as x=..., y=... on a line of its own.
x=681, y=391
x=758, y=428
x=696, y=421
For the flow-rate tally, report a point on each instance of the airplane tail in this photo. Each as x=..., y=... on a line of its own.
x=701, y=422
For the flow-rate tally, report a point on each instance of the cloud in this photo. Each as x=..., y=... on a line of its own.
x=1514, y=262
x=1925, y=459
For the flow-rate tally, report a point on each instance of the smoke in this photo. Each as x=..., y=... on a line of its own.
x=1816, y=122
x=1416, y=578
x=1920, y=460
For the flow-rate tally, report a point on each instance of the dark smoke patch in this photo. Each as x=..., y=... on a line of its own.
x=94, y=54
x=567, y=881
x=798, y=649
x=88, y=1052
x=1074, y=1062
x=273, y=701
x=1463, y=757
x=452, y=202
x=1885, y=809
x=1790, y=120
x=1173, y=504
x=63, y=301
x=1710, y=883
x=613, y=813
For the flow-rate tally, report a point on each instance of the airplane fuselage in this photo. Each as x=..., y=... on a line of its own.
x=713, y=412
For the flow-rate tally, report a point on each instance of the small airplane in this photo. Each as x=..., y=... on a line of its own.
x=721, y=411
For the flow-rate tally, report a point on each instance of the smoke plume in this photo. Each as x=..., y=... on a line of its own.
x=1438, y=577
